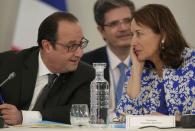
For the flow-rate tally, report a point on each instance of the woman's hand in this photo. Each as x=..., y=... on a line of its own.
x=134, y=83
x=137, y=65
x=157, y=113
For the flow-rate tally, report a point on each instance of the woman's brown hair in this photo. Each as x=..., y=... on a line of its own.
x=160, y=19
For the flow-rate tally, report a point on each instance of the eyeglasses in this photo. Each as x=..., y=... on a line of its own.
x=71, y=48
x=117, y=23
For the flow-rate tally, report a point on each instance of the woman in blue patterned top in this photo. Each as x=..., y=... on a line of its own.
x=162, y=75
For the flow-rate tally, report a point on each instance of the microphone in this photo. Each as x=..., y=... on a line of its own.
x=11, y=76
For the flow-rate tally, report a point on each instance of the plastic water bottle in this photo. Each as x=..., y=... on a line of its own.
x=99, y=101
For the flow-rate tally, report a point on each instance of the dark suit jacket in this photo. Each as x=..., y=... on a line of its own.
x=69, y=88
x=5, y=55
x=98, y=56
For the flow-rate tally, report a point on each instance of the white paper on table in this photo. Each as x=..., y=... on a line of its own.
x=137, y=121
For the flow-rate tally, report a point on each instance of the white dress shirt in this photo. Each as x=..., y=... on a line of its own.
x=114, y=73
x=42, y=79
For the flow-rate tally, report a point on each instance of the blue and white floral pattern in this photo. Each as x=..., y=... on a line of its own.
x=173, y=93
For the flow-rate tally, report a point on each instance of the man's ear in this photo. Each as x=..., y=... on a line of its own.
x=46, y=45
x=101, y=30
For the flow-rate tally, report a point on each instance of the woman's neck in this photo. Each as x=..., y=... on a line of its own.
x=158, y=67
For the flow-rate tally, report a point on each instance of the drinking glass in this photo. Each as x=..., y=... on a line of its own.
x=79, y=115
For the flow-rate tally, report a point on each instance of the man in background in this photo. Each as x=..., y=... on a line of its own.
x=113, y=19
x=49, y=76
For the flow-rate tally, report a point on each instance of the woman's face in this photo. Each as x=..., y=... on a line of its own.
x=145, y=42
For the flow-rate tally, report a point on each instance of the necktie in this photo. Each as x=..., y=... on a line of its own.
x=44, y=93
x=119, y=88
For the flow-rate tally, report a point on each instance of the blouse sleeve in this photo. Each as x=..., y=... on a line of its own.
x=127, y=104
x=146, y=102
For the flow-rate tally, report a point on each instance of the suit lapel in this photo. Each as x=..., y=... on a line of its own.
x=29, y=75
x=106, y=71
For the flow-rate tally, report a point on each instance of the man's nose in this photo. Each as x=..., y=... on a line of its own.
x=79, y=52
x=123, y=26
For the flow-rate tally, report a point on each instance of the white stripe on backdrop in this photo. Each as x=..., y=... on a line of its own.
x=31, y=13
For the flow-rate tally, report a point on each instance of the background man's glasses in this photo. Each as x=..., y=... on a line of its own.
x=117, y=23
x=71, y=48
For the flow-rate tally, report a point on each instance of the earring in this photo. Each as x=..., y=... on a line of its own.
x=162, y=44
x=163, y=41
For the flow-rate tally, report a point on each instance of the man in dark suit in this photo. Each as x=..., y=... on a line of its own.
x=60, y=47
x=113, y=22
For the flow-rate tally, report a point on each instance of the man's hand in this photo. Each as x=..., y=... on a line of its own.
x=11, y=114
x=157, y=114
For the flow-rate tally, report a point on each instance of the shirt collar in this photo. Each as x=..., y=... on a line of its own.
x=114, y=61
x=43, y=70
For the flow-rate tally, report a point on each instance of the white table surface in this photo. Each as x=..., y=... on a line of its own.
x=90, y=129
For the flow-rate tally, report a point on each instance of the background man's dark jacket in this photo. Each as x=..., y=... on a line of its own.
x=98, y=56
